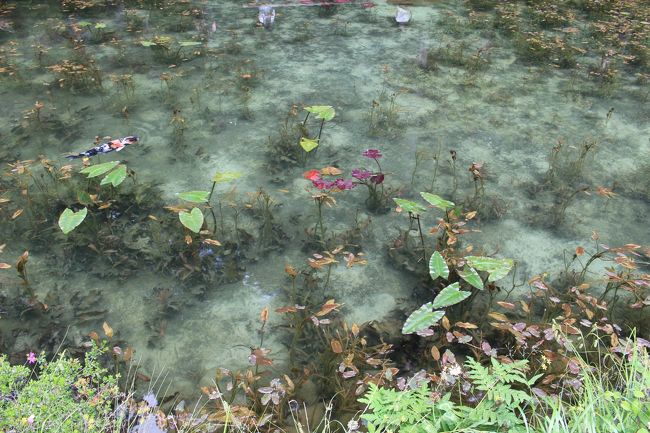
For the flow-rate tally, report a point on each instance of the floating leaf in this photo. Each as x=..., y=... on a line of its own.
x=194, y=196
x=148, y=43
x=323, y=112
x=438, y=267
x=99, y=169
x=450, y=295
x=115, y=177
x=226, y=176
x=470, y=275
x=497, y=268
x=410, y=206
x=69, y=220
x=192, y=220
x=189, y=43
x=422, y=318
x=437, y=201
x=308, y=144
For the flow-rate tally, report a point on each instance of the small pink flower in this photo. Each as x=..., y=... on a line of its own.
x=30, y=420
x=372, y=153
x=31, y=358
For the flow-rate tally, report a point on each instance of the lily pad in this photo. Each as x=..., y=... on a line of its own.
x=497, y=268
x=115, y=177
x=308, y=144
x=422, y=318
x=410, y=206
x=323, y=112
x=450, y=295
x=226, y=176
x=470, y=275
x=438, y=267
x=99, y=169
x=69, y=219
x=194, y=196
x=192, y=220
x=437, y=201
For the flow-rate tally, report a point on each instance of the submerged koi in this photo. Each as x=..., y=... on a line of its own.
x=109, y=146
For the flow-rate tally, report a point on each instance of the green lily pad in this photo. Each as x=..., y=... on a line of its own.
x=422, y=318
x=450, y=295
x=308, y=144
x=69, y=219
x=226, y=176
x=410, y=206
x=194, y=196
x=437, y=201
x=438, y=267
x=192, y=220
x=323, y=112
x=115, y=177
x=497, y=268
x=99, y=169
x=470, y=275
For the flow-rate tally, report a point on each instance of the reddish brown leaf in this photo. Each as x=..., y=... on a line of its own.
x=336, y=346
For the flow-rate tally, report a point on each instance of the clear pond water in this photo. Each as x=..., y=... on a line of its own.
x=216, y=99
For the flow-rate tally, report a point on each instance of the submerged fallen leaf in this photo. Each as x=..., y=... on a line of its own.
x=328, y=306
x=498, y=316
x=214, y=242
x=107, y=330
x=5, y=265
x=16, y=214
x=264, y=315
x=336, y=346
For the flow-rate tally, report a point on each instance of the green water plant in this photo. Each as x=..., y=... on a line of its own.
x=114, y=171
x=69, y=219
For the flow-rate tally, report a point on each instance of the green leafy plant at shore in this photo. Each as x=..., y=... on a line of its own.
x=500, y=407
x=63, y=395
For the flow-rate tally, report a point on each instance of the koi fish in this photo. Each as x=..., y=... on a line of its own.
x=109, y=146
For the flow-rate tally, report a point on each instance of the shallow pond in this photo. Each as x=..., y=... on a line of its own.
x=207, y=90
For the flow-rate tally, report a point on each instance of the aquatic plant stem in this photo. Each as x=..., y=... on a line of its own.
x=322, y=122
x=424, y=250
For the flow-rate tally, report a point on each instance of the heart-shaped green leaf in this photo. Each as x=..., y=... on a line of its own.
x=99, y=169
x=192, y=220
x=226, y=176
x=437, y=201
x=450, y=295
x=438, y=267
x=323, y=112
x=410, y=206
x=69, y=219
x=470, y=275
x=115, y=177
x=308, y=144
x=422, y=318
x=194, y=196
x=497, y=268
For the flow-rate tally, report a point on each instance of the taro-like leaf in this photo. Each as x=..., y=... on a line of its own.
x=192, y=220
x=323, y=112
x=422, y=318
x=226, y=176
x=308, y=144
x=99, y=169
x=410, y=206
x=470, y=275
x=115, y=177
x=497, y=268
x=437, y=201
x=189, y=43
x=450, y=295
x=84, y=198
x=69, y=220
x=194, y=196
x=100, y=26
x=438, y=267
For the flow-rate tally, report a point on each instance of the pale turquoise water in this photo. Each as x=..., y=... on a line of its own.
x=508, y=115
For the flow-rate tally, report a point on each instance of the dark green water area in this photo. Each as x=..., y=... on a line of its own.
x=536, y=115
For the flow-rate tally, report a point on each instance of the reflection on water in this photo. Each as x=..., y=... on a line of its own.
x=447, y=99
